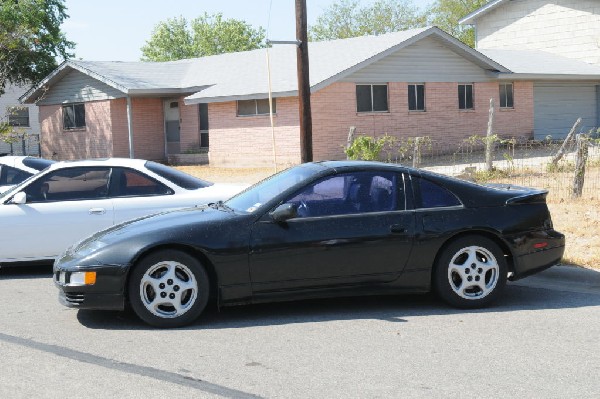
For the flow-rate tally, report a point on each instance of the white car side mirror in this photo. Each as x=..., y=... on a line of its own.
x=20, y=198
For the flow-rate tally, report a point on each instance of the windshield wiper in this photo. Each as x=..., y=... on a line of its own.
x=220, y=205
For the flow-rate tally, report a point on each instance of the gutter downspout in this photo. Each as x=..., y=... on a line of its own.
x=130, y=127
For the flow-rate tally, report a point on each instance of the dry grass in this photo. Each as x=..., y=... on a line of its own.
x=578, y=219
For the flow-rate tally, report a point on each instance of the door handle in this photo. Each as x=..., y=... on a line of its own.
x=97, y=211
x=397, y=229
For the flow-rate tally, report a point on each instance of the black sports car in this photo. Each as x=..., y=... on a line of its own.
x=314, y=230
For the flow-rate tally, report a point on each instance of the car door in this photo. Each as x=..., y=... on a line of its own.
x=351, y=228
x=136, y=194
x=62, y=207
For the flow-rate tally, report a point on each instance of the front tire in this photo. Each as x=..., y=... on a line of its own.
x=470, y=273
x=168, y=288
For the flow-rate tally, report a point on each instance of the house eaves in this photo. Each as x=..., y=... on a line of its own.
x=472, y=17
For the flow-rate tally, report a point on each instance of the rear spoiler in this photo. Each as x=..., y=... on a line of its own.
x=530, y=198
x=522, y=195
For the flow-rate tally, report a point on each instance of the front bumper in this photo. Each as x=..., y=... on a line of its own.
x=107, y=293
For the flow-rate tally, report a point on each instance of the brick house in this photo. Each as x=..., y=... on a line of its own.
x=421, y=82
x=555, y=45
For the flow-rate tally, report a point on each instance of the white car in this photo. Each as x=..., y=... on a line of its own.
x=15, y=169
x=70, y=200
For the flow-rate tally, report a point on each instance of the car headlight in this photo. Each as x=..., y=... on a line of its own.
x=82, y=278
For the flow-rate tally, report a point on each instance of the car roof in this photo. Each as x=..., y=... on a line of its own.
x=126, y=162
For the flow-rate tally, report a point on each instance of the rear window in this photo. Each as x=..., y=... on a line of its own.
x=177, y=177
x=431, y=195
x=37, y=163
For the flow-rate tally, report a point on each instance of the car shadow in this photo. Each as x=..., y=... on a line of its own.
x=26, y=271
x=393, y=309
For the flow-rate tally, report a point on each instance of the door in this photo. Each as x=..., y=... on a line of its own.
x=558, y=105
x=351, y=228
x=62, y=208
x=172, y=126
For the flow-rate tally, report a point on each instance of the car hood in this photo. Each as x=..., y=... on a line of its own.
x=155, y=227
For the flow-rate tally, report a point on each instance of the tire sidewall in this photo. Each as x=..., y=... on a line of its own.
x=148, y=261
x=440, y=279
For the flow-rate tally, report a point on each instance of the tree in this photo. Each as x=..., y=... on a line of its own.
x=176, y=38
x=31, y=40
x=445, y=14
x=346, y=19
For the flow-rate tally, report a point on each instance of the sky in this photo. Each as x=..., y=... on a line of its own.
x=116, y=30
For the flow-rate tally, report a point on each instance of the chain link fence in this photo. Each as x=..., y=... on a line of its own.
x=26, y=145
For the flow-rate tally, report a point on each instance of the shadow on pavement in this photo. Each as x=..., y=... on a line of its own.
x=395, y=309
x=29, y=271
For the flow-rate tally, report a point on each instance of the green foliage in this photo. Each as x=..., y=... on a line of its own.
x=485, y=176
x=445, y=14
x=366, y=148
x=31, y=39
x=347, y=19
x=176, y=38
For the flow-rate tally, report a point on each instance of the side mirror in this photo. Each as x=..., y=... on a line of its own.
x=19, y=198
x=284, y=212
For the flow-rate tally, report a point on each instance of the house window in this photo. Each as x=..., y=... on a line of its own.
x=255, y=107
x=73, y=116
x=465, y=96
x=416, y=97
x=18, y=116
x=371, y=98
x=506, y=95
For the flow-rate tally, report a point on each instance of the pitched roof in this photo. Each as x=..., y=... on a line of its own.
x=536, y=64
x=243, y=75
x=470, y=19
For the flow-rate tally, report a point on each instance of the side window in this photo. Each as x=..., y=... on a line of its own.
x=131, y=183
x=431, y=195
x=9, y=175
x=350, y=193
x=70, y=184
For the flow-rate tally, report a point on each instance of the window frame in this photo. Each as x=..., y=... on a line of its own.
x=14, y=118
x=415, y=92
x=506, y=97
x=256, y=107
x=372, y=97
x=73, y=106
x=464, y=106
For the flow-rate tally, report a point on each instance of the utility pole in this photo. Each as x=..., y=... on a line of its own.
x=306, y=151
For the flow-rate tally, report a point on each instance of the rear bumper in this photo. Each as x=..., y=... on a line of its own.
x=537, y=260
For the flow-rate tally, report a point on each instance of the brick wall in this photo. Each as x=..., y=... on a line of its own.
x=148, y=128
x=245, y=141
x=334, y=111
x=93, y=141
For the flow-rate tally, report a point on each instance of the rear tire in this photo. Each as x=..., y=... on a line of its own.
x=168, y=288
x=470, y=273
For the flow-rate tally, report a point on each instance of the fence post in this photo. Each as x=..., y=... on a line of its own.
x=582, y=155
x=488, y=139
x=350, y=138
x=561, y=152
x=417, y=152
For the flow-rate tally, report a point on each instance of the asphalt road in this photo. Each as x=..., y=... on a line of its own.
x=542, y=340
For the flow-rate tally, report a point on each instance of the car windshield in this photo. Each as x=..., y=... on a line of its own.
x=253, y=198
x=16, y=188
x=178, y=177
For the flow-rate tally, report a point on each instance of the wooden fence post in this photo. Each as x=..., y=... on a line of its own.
x=417, y=152
x=350, y=138
x=581, y=160
x=488, y=140
x=561, y=152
